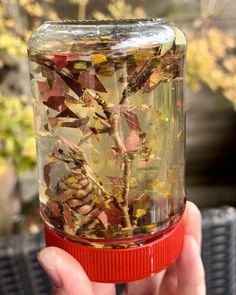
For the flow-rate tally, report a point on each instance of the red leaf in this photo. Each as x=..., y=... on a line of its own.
x=65, y=196
x=94, y=130
x=67, y=113
x=68, y=217
x=132, y=142
x=60, y=61
x=55, y=208
x=58, y=89
x=90, y=81
x=46, y=170
x=113, y=214
x=118, y=150
x=72, y=84
x=117, y=181
x=56, y=103
x=103, y=218
x=132, y=121
x=42, y=86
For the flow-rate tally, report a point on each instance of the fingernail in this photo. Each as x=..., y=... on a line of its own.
x=47, y=258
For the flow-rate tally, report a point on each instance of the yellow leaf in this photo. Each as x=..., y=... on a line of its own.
x=119, y=198
x=140, y=212
x=95, y=199
x=107, y=203
x=161, y=187
x=141, y=55
x=98, y=58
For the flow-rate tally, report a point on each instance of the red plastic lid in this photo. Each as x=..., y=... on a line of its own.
x=123, y=265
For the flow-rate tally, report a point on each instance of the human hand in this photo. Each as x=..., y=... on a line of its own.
x=184, y=277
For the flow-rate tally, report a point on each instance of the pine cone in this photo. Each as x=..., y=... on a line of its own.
x=80, y=204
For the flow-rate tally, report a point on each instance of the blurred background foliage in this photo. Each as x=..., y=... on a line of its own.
x=211, y=58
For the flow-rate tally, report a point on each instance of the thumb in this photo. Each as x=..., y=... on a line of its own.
x=190, y=271
x=66, y=274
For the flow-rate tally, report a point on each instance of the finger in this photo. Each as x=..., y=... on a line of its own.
x=192, y=222
x=192, y=226
x=169, y=282
x=190, y=271
x=66, y=274
x=147, y=286
x=103, y=289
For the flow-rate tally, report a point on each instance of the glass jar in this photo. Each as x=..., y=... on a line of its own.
x=109, y=113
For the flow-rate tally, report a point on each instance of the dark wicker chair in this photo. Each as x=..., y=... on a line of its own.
x=20, y=274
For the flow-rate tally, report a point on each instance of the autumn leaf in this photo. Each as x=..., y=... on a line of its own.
x=72, y=84
x=140, y=212
x=95, y=199
x=132, y=142
x=113, y=214
x=98, y=58
x=60, y=61
x=118, y=150
x=78, y=123
x=132, y=121
x=161, y=187
x=103, y=218
x=67, y=113
x=93, y=130
x=54, y=208
x=90, y=81
x=117, y=181
x=46, y=171
x=56, y=103
x=68, y=217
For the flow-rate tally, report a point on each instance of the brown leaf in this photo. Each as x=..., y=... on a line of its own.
x=55, y=208
x=67, y=113
x=132, y=121
x=46, y=171
x=79, y=123
x=91, y=81
x=72, y=84
x=118, y=150
x=56, y=103
x=139, y=78
x=94, y=130
x=68, y=217
x=117, y=181
x=113, y=214
x=67, y=195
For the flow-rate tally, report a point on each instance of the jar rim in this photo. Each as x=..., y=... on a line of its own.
x=108, y=22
